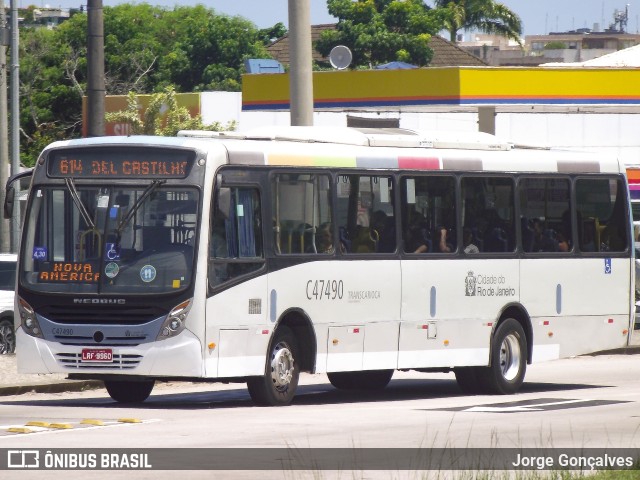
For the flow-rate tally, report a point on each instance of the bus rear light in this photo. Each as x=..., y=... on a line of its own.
x=610, y=320
x=28, y=319
x=546, y=322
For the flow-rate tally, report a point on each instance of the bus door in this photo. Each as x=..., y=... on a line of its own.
x=236, y=335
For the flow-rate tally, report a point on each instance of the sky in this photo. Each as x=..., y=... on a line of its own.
x=538, y=16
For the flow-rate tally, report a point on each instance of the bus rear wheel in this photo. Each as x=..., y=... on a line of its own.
x=508, y=366
x=366, y=380
x=123, y=391
x=277, y=386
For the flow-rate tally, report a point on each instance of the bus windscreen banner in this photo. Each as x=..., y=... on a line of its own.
x=120, y=162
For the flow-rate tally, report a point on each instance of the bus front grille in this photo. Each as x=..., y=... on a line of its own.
x=101, y=314
x=120, y=362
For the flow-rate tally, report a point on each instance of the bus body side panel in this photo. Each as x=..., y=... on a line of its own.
x=354, y=307
x=238, y=330
x=449, y=308
x=576, y=305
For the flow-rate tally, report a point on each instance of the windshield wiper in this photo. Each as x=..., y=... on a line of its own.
x=147, y=192
x=71, y=186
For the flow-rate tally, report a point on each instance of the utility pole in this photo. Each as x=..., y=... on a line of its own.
x=15, y=121
x=95, y=74
x=300, y=75
x=5, y=237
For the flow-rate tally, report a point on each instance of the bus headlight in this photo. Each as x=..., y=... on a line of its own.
x=28, y=319
x=175, y=321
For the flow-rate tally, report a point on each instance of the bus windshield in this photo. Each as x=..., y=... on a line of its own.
x=110, y=240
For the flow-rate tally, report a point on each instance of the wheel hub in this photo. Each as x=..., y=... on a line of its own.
x=282, y=366
x=510, y=357
x=7, y=340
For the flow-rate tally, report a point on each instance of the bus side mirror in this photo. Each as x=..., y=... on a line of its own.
x=9, y=200
x=10, y=190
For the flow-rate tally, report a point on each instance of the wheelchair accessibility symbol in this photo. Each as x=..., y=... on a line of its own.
x=112, y=251
x=607, y=266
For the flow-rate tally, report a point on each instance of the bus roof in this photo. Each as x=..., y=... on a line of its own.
x=375, y=148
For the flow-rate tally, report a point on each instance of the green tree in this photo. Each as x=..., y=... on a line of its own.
x=50, y=104
x=380, y=31
x=208, y=50
x=487, y=16
x=163, y=116
x=147, y=49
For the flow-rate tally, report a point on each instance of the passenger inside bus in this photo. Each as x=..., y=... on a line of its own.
x=469, y=246
x=544, y=239
x=324, y=239
x=386, y=233
x=418, y=238
x=444, y=244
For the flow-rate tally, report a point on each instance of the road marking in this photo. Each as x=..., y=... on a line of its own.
x=39, y=428
x=534, y=405
x=522, y=408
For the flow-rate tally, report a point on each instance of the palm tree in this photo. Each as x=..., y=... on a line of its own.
x=487, y=16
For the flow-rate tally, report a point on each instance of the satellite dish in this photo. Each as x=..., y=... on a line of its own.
x=340, y=57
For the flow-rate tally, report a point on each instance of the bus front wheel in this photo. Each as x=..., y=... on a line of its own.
x=278, y=385
x=123, y=391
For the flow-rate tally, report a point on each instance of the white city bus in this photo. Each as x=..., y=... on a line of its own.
x=352, y=252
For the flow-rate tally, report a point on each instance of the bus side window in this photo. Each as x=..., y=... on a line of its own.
x=488, y=206
x=604, y=226
x=545, y=214
x=429, y=214
x=302, y=214
x=366, y=214
x=235, y=246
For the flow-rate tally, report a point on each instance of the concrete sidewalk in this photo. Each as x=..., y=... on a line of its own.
x=14, y=383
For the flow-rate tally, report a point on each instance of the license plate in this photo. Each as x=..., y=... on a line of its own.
x=97, y=355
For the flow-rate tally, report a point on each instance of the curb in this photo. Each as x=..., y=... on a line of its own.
x=58, y=387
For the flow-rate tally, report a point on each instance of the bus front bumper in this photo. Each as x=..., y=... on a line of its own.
x=180, y=356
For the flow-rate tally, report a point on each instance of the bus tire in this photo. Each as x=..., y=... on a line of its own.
x=277, y=386
x=508, y=366
x=468, y=379
x=7, y=336
x=365, y=380
x=124, y=391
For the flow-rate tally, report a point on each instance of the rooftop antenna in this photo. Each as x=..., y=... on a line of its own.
x=620, y=20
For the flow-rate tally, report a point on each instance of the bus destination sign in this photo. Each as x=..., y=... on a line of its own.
x=120, y=162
